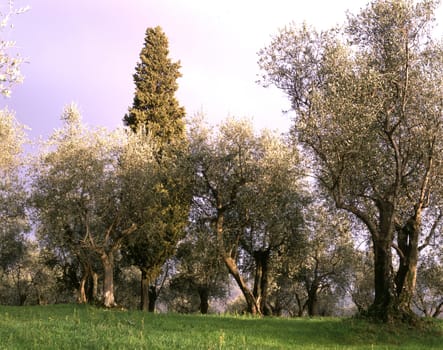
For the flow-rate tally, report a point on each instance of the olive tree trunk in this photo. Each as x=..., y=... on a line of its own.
x=108, y=279
x=408, y=251
x=261, y=280
x=203, y=293
x=144, y=291
x=252, y=306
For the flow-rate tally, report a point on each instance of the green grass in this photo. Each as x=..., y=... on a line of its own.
x=86, y=327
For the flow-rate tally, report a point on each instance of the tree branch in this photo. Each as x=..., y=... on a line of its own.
x=372, y=227
x=398, y=250
x=438, y=310
x=431, y=232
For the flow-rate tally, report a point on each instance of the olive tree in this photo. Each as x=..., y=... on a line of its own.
x=224, y=163
x=326, y=264
x=368, y=109
x=246, y=187
x=91, y=191
x=14, y=221
x=13, y=217
x=428, y=298
x=270, y=211
x=200, y=273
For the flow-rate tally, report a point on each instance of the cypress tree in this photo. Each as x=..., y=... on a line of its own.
x=157, y=111
x=155, y=106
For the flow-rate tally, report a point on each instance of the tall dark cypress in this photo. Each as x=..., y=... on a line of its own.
x=156, y=109
x=155, y=106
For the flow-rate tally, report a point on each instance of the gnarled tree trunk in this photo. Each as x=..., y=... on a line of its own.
x=383, y=307
x=312, y=302
x=153, y=295
x=94, y=289
x=108, y=279
x=82, y=299
x=408, y=250
x=383, y=304
x=261, y=281
x=88, y=289
x=144, y=291
x=203, y=293
x=252, y=306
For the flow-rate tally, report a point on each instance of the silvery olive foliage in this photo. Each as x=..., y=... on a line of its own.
x=368, y=110
x=91, y=190
x=13, y=217
x=10, y=61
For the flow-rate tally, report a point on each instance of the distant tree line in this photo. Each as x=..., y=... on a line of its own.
x=341, y=215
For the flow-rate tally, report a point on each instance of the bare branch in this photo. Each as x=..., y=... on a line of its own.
x=431, y=234
x=398, y=250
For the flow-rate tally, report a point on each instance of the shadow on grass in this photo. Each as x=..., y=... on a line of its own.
x=346, y=333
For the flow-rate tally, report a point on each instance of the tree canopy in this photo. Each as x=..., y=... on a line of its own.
x=368, y=106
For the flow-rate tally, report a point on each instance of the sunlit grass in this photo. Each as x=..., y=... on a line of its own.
x=86, y=327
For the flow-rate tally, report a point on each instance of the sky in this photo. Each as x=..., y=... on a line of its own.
x=85, y=52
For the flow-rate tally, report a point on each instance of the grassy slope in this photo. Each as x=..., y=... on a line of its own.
x=85, y=327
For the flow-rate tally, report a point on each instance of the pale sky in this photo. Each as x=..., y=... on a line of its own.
x=85, y=51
